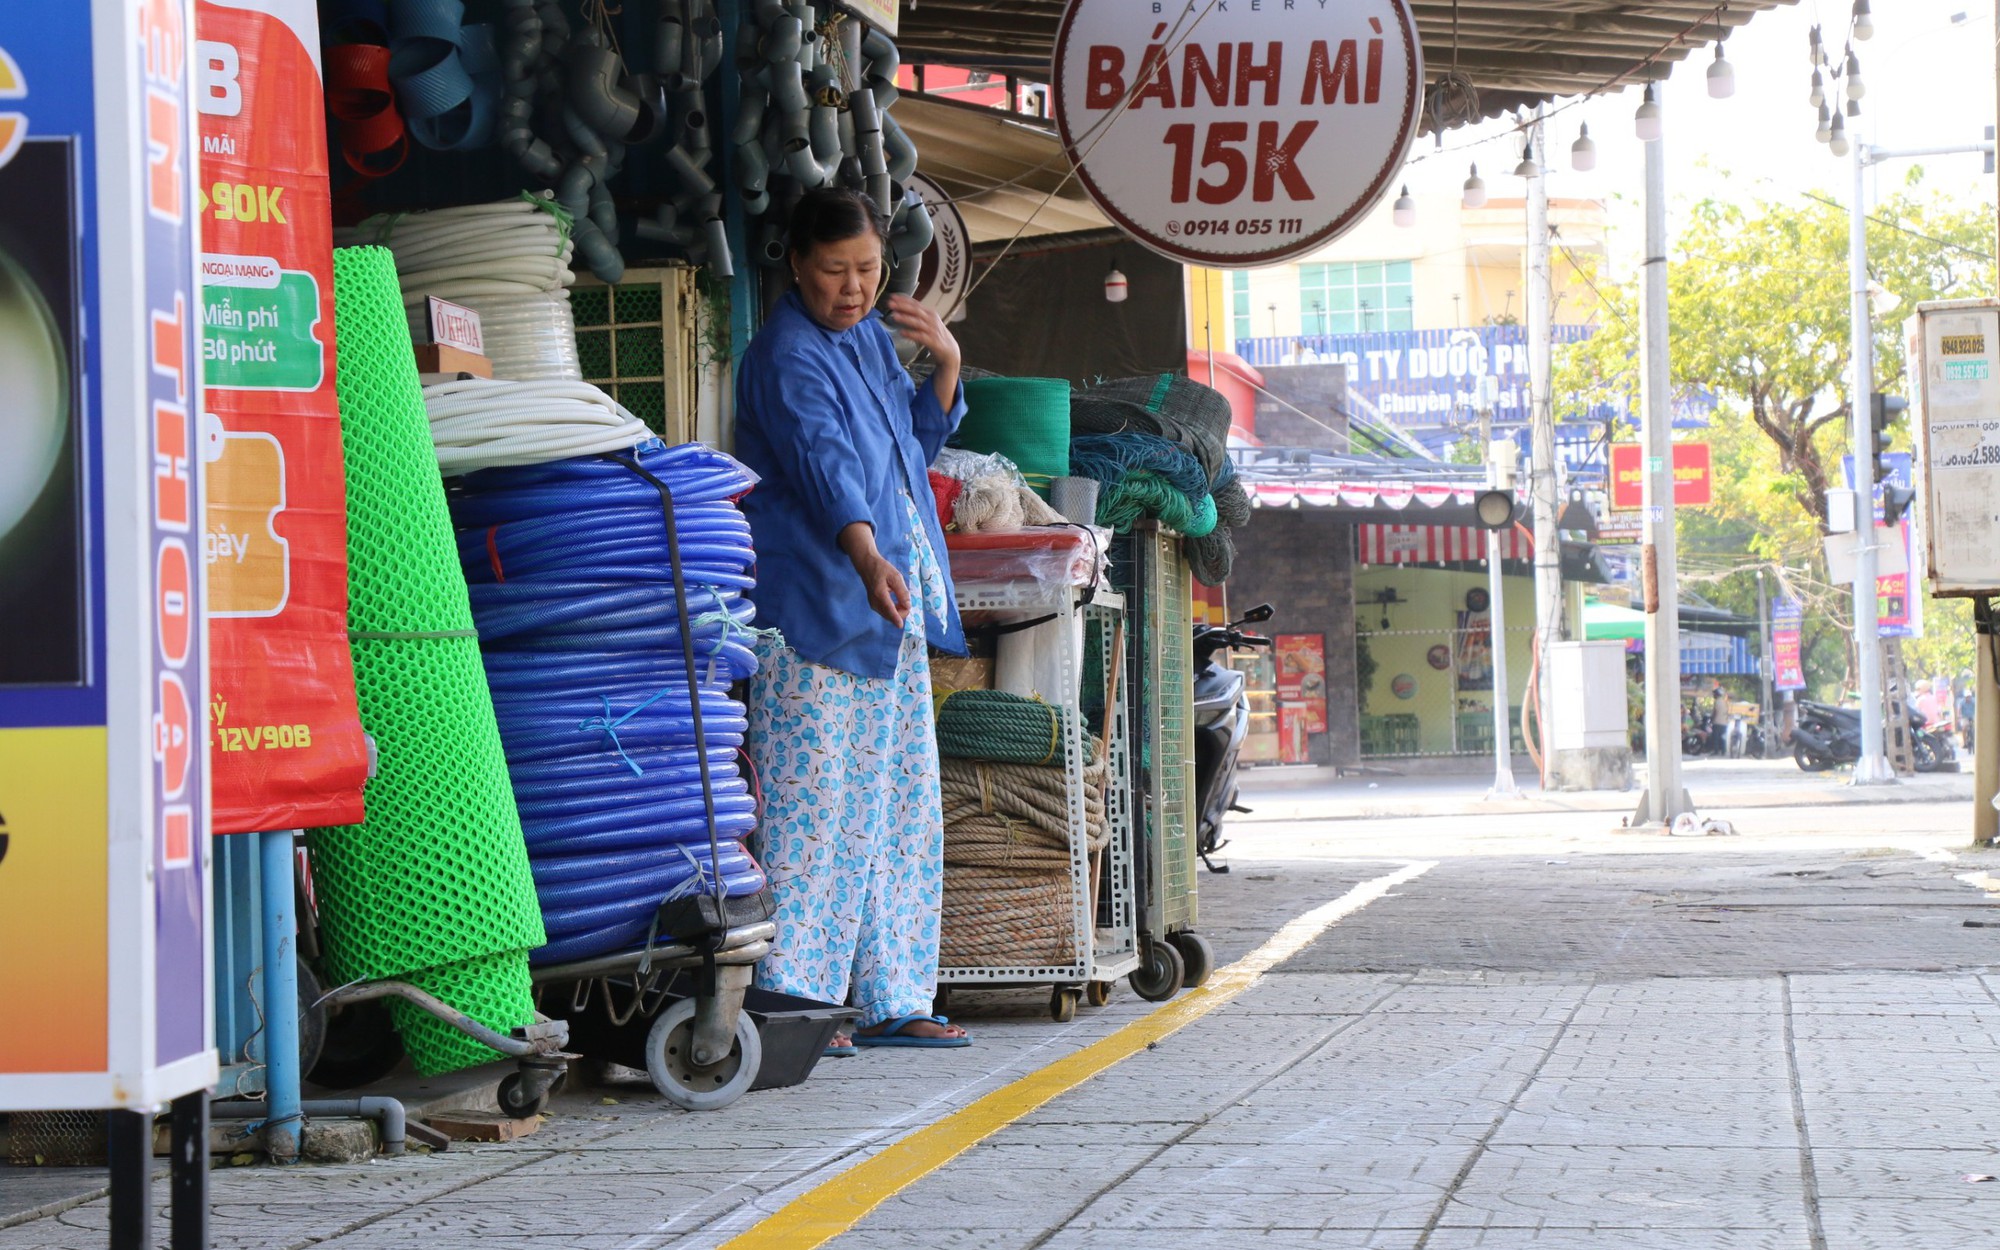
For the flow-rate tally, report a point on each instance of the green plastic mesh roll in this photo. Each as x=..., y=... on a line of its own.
x=1024, y=419
x=433, y=886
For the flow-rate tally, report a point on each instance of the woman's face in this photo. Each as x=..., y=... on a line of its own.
x=838, y=280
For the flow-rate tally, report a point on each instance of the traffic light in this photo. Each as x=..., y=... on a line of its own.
x=1882, y=410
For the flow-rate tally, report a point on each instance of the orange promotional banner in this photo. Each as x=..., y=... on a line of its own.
x=285, y=736
x=1694, y=476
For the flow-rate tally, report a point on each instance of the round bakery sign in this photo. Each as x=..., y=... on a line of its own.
x=1237, y=132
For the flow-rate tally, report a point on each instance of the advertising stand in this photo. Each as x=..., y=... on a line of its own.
x=104, y=870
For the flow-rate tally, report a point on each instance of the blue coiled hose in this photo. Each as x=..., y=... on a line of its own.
x=604, y=593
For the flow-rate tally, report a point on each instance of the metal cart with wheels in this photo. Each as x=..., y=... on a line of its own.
x=675, y=1009
x=1106, y=947
x=1148, y=566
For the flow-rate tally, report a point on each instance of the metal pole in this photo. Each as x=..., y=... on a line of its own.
x=1665, y=798
x=188, y=1182
x=281, y=999
x=1985, y=727
x=1872, y=769
x=1764, y=666
x=1503, y=742
x=1548, y=542
x=131, y=1147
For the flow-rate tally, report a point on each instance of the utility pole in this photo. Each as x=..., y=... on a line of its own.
x=1497, y=475
x=1764, y=666
x=1664, y=798
x=1542, y=479
x=1872, y=769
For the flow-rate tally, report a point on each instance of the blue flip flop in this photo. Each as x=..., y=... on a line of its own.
x=839, y=1052
x=891, y=1035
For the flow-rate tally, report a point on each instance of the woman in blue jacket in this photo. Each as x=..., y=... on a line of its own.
x=851, y=573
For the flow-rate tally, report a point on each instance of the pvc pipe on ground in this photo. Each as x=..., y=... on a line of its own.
x=387, y=1112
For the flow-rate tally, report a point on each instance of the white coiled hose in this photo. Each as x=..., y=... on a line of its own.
x=529, y=338
x=508, y=261
x=511, y=247
x=482, y=424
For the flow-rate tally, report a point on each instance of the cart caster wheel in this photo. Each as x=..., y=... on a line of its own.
x=1160, y=975
x=670, y=1061
x=515, y=1102
x=1062, y=1004
x=1197, y=956
x=1097, y=993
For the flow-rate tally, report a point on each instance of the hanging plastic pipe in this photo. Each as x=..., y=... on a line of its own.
x=750, y=109
x=901, y=153
x=912, y=232
x=783, y=40
x=668, y=38
x=719, y=258
x=591, y=77
x=868, y=142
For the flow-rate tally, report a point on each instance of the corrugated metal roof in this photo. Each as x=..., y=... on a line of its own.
x=1516, y=53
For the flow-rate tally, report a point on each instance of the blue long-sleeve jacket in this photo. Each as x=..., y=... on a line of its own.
x=838, y=431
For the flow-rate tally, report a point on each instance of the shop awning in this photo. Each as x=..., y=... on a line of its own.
x=1006, y=173
x=1515, y=54
x=1607, y=621
x=1360, y=494
x=1436, y=544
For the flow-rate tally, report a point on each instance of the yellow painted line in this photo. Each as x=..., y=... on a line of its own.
x=837, y=1205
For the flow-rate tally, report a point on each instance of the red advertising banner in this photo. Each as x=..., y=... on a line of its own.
x=1788, y=670
x=1694, y=476
x=1302, y=677
x=285, y=736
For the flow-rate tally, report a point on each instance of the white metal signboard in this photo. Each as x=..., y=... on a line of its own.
x=1235, y=133
x=1955, y=359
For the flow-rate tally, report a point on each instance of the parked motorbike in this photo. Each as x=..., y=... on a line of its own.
x=1221, y=723
x=1827, y=736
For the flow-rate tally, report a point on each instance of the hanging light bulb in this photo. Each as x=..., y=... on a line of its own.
x=1816, y=52
x=1837, y=140
x=1648, y=121
x=1405, y=212
x=1721, y=76
x=1864, y=22
x=1475, y=190
x=1583, y=153
x=1825, y=130
x=1116, y=288
x=1527, y=168
x=1855, y=87
x=1853, y=109
x=1818, y=96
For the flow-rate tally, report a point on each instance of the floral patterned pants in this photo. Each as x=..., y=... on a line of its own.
x=852, y=835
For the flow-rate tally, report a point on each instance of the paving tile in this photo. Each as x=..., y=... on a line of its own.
x=1631, y=1187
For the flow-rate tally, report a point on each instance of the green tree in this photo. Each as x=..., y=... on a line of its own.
x=1759, y=318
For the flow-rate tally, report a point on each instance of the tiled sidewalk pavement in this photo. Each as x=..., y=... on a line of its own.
x=1733, y=1048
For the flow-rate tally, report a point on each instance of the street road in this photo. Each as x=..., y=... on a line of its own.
x=1496, y=1028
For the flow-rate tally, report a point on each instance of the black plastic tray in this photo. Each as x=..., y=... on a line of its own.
x=794, y=1032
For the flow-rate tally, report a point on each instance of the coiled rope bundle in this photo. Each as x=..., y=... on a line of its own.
x=626, y=778
x=478, y=423
x=1002, y=727
x=1008, y=895
x=508, y=261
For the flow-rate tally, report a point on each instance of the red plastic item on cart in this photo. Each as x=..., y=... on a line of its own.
x=1049, y=555
x=946, y=489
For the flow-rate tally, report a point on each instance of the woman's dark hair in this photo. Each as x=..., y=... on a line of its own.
x=832, y=215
